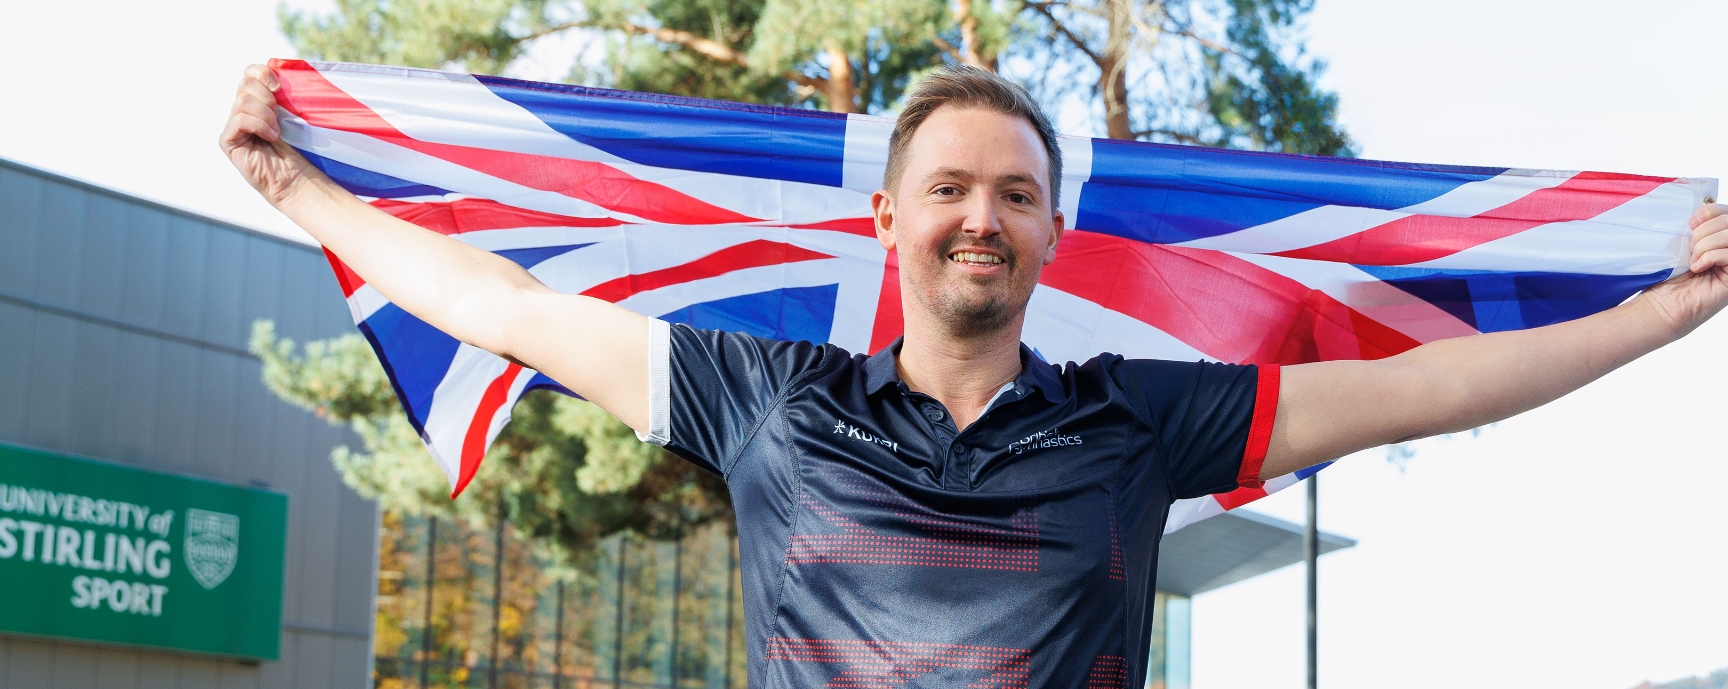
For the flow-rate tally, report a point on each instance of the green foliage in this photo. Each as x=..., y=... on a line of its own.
x=566, y=472
x=885, y=41
x=1223, y=73
x=641, y=63
x=480, y=35
x=1228, y=73
x=1259, y=99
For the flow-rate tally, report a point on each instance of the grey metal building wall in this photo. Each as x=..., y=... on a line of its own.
x=123, y=328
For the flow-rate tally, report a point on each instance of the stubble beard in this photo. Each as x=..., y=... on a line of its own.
x=971, y=307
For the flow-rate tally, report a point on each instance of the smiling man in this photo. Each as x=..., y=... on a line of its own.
x=952, y=511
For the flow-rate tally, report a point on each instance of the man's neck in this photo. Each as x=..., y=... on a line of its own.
x=963, y=373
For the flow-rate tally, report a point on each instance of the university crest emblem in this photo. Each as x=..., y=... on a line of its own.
x=212, y=546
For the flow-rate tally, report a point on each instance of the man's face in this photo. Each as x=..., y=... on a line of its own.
x=971, y=218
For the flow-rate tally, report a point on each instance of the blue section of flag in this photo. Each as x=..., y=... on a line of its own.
x=689, y=133
x=1170, y=194
x=1310, y=471
x=1492, y=301
x=540, y=381
x=533, y=256
x=427, y=351
x=365, y=182
x=794, y=313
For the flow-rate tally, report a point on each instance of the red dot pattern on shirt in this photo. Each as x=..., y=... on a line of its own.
x=1118, y=568
x=951, y=543
x=892, y=664
x=1108, y=672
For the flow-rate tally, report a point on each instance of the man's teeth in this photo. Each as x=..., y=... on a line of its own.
x=969, y=257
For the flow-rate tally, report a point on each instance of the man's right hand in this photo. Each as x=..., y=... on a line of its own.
x=252, y=140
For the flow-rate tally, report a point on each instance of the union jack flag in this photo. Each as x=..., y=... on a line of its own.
x=757, y=219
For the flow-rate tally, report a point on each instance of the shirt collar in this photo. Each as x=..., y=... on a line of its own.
x=880, y=372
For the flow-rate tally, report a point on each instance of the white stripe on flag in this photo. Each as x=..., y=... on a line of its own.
x=365, y=152
x=455, y=401
x=1639, y=237
x=465, y=112
x=1328, y=223
x=1393, y=307
x=738, y=283
x=1058, y=323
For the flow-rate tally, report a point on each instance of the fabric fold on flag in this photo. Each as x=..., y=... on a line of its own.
x=757, y=219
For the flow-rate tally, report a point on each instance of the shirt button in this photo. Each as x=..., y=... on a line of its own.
x=959, y=449
x=933, y=413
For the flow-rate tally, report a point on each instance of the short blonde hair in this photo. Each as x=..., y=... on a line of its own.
x=968, y=87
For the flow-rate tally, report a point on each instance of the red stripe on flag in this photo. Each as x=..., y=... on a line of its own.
x=1226, y=307
x=346, y=278
x=751, y=254
x=890, y=322
x=474, y=215
x=1421, y=238
x=474, y=442
x=859, y=226
x=308, y=94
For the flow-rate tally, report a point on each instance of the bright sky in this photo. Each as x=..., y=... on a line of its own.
x=1582, y=545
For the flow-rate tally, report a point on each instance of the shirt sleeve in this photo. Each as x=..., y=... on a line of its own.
x=1211, y=422
x=710, y=390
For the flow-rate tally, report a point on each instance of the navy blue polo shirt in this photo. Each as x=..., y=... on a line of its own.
x=882, y=547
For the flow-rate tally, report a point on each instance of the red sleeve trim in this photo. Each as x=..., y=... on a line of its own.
x=1260, y=432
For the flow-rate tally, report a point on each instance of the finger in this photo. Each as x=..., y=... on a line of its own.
x=257, y=96
x=256, y=90
x=264, y=114
x=1716, y=258
x=1705, y=213
x=264, y=75
x=1708, y=227
x=242, y=128
x=1707, y=243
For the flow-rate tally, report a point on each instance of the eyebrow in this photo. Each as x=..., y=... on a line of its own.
x=961, y=173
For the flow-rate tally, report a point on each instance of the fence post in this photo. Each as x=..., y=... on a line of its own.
x=497, y=594
x=618, y=637
x=677, y=588
x=426, y=631
x=731, y=586
x=558, y=641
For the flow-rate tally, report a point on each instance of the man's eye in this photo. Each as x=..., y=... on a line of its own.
x=947, y=191
x=1019, y=198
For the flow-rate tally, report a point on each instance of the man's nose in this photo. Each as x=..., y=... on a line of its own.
x=981, y=216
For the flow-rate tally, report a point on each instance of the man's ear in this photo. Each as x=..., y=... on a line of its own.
x=1058, y=223
x=882, y=208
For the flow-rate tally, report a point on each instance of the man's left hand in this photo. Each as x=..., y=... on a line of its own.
x=1689, y=299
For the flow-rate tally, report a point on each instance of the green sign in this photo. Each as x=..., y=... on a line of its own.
x=103, y=552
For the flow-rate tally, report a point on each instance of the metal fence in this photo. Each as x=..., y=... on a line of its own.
x=463, y=607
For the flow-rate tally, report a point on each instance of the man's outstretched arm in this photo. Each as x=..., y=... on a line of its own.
x=1329, y=409
x=596, y=349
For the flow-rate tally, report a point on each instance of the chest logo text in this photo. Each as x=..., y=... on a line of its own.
x=1043, y=439
x=852, y=431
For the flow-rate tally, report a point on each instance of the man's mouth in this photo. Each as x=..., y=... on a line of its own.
x=975, y=259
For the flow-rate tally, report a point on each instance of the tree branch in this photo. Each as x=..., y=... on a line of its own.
x=1208, y=43
x=1044, y=9
x=1179, y=136
x=554, y=29
x=720, y=52
x=706, y=47
x=947, y=48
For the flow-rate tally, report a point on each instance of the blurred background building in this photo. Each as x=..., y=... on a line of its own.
x=123, y=328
